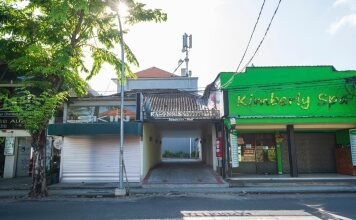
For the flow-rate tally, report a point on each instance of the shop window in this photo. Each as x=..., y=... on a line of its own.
x=100, y=114
x=256, y=148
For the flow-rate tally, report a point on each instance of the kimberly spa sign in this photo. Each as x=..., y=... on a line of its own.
x=309, y=103
x=298, y=100
x=291, y=94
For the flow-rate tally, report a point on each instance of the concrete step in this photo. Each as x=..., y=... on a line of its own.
x=265, y=182
x=188, y=185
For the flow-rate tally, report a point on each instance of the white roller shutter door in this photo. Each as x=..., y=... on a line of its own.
x=96, y=159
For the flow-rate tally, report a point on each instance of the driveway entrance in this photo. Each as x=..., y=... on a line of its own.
x=191, y=173
x=180, y=124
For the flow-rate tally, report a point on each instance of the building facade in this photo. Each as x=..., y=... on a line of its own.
x=15, y=141
x=89, y=132
x=154, y=80
x=287, y=119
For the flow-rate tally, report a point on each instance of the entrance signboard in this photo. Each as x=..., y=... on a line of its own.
x=353, y=145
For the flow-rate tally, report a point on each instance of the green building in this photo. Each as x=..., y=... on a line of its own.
x=286, y=119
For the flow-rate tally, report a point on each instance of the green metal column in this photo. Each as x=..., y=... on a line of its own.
x=279, y=140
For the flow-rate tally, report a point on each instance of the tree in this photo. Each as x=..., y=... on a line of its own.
x=46, y=43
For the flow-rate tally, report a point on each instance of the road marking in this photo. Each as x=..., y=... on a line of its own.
x=244, y=215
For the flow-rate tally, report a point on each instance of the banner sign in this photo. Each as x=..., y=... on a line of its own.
x=234, y=150
x=353, y=146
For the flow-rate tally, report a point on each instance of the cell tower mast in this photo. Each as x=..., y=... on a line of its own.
x=187, y=45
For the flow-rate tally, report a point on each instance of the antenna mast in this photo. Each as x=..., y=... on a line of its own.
x=187, y=45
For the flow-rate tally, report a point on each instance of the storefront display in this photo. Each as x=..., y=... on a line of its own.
x=287, y=117
x=256, y=153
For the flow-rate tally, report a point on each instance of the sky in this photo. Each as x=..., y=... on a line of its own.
x=304, y=32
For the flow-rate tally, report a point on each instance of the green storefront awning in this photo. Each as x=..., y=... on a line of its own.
x=68, y=129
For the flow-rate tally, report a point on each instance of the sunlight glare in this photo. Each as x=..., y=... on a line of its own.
x=123, y=9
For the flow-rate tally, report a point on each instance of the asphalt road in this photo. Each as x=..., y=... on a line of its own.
x=196, y=206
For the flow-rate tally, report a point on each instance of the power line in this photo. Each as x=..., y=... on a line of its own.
x=253, y=31
x=289, y=85
x=256, y=88
x=259, y=45
x=264, y=36
x=248, y=44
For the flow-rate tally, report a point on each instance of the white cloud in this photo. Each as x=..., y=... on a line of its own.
x=345, y=21
x=348, y=3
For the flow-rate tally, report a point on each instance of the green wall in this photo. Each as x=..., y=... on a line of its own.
x=343, y=137
x=291, y=95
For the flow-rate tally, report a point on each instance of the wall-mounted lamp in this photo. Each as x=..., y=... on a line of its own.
x=233, y=123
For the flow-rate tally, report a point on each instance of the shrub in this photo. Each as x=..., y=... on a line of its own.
x=167, y=154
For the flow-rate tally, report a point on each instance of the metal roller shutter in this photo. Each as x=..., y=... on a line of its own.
x=96, y=159
x=316, y=152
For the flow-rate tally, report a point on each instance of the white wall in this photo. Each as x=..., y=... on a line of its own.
x=190, y=83
x=213, y=146
x=10, y=161
x=209, y=146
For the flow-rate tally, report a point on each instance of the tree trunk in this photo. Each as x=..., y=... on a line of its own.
x=39, y=184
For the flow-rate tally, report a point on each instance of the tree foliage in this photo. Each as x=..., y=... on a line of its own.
x=47, y=42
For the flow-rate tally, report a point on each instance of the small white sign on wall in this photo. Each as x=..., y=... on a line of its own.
x=9, y=146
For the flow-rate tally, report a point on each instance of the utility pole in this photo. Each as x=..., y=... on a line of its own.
x=121, y=191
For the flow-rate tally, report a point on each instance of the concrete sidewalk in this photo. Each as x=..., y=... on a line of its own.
x=108, y=192
x=19, y=187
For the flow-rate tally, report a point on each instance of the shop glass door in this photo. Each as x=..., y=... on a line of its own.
x=257, y=154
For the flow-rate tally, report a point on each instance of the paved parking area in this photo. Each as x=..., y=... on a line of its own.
x=182, y=173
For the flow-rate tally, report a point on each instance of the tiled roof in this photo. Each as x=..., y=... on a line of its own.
x=154, y=72
x=170, y=104
x=177, y=105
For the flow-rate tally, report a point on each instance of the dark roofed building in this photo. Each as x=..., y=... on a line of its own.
x=176, y=105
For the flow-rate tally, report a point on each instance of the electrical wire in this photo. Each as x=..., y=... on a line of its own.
x=248, y=44
x=253, y=31
x=285, y=84
x=254, y=88
x=258, y=47
x=264, y=36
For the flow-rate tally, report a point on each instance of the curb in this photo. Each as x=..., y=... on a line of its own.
x=109, y=193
